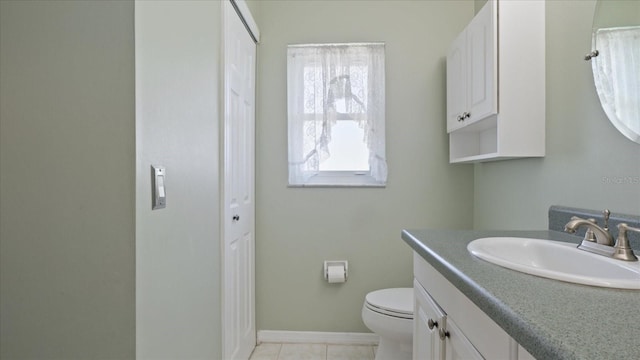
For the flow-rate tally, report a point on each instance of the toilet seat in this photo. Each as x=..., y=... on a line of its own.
x=396, y=302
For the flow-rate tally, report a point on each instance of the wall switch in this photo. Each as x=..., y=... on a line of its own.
x=158, y=190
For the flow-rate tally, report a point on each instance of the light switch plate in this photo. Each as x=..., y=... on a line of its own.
x=158, y=187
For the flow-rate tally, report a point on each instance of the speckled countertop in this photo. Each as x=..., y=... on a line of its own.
x=551, y=319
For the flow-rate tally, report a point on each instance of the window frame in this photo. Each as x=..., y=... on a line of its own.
x=339, y=178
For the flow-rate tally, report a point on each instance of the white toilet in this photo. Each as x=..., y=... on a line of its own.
x=389, y=314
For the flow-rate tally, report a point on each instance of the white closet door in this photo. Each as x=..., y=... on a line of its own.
x=239, y=331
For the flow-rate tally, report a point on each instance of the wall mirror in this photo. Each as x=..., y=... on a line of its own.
x=615, y=61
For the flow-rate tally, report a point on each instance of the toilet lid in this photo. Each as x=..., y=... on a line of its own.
x=392, y=301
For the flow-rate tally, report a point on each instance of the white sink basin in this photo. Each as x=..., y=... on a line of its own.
x=557, y=260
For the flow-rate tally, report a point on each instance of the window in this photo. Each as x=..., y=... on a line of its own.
x=336, y=115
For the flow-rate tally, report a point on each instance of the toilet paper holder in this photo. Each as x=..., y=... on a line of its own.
x=344, y=264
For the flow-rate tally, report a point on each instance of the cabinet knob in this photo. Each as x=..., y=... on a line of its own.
x=432, y=324
x=235, y=218
x=459, y=117
x=467, y=115
x=443, y=334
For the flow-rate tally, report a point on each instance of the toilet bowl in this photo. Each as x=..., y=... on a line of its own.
x=389, y=314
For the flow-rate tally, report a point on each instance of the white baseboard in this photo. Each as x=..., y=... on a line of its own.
x=315, y=337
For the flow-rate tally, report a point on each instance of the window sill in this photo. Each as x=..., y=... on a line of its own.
x=350, y=180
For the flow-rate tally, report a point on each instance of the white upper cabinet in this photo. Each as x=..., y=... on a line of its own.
x=496, y=84
x=471, y=74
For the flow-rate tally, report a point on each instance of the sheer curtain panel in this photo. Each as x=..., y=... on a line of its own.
x=616, y=75
x=327, y=83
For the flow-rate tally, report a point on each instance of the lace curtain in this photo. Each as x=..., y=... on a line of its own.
x=617, y=75
x=324, y=82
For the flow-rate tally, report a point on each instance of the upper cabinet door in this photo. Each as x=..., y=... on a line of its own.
x=472, y=60
x=457, y=82
x=482, y=58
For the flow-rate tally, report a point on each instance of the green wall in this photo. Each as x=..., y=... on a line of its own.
x=589, y=164
x=298, y=228
x=67, y=167
x=178, y=261
x=67, y=178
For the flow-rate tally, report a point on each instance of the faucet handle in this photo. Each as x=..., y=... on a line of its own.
x=622, y=249
x=606, y=213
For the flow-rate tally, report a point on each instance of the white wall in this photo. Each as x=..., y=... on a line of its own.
x=67, y=180
x=299, y=228
x=177, y=116
x=589, y=164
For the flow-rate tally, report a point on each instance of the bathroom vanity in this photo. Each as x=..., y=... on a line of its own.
x=441, y=314
x=472, y=309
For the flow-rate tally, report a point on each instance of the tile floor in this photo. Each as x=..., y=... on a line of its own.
x=272, y=351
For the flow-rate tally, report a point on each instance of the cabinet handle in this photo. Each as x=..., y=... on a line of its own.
x=591, y=55
x=432, y=324
x=443, y=334
x=465, y=115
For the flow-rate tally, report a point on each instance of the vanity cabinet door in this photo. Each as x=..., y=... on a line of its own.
x=436, y=337
x=471, y=333
x=428, y=320
x=457, y=346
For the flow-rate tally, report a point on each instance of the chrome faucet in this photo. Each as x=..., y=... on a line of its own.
x=598, y=240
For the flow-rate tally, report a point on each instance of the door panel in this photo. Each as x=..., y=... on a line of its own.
x=482, y=74
x=239, y=210
x=426, y=342
x=456, y=82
